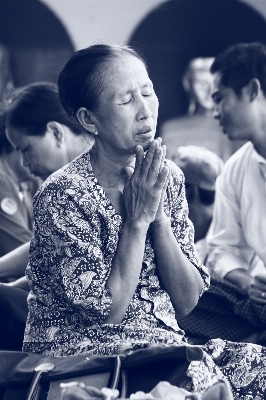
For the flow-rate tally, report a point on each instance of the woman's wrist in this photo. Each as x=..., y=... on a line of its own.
x=137, y=225
x=161, y=222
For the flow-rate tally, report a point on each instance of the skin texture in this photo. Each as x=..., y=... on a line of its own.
x=135, y=184
x=243, y=117
x=45, y=154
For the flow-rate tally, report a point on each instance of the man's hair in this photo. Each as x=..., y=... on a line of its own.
x=31, y=107
x=239, y=64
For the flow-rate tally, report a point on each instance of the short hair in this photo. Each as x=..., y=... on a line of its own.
x=31, y=107
x=80, y=82
x=240, y=63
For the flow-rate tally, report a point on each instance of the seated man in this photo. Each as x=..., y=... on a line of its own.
x=197, y=127
x=201, y=167
x=223, y=310
x=237, y=236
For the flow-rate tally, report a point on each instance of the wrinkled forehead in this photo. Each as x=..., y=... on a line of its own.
x=123, y=64
x=122, y=74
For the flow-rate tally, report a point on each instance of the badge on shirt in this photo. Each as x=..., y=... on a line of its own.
x=9, y=206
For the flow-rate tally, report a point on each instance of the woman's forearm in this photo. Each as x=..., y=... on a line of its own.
x=126, y=267
x=178, y=277
x=14, y=263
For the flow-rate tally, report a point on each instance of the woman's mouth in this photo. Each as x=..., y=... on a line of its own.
x=144, y=130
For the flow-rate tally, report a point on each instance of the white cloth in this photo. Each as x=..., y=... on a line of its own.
x=201, y=248
x=237, y=235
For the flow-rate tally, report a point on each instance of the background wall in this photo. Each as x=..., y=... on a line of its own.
x=169, y=33
x=89, y=21
x=40, y=36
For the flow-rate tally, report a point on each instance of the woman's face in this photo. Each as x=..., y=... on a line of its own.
x=40, y=154
x=128, y=107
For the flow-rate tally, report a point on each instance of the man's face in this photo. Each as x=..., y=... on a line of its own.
x=236, y=114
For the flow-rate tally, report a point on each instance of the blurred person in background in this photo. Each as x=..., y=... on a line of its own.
x=237, y=236
x=201, y=168
x=15, y=212
x=217, y=312
x=197, y=127
x=39, y=128
x=47, y=139
x=16, y=184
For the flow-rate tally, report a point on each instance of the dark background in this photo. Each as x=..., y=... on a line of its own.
x=179, y=30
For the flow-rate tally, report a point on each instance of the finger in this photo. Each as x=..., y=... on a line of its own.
x=128, y=172
x=149, y=158
x=155, y=164
x=257, y=295
x=159, y=140
x=257, y=284
x=139, y=159
x=260, y=278
x=161, y=178
x=163, y=157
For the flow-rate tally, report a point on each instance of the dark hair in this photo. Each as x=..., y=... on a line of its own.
x=33, y=106
x=5, y=145
x=80, y=82
x=206, y=196
x=240, y=63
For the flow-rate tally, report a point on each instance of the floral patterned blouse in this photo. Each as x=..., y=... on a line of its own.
x=75, y=238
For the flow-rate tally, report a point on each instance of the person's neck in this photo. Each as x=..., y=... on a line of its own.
x=78, y=145
x=260, y=146
x=108, y=167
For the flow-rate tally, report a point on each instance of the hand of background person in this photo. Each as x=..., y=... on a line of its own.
x=257, y=289
x=145, y=184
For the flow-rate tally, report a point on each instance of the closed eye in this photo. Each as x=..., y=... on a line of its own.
x=23, y=151
x=127, y=102
x=146, y=92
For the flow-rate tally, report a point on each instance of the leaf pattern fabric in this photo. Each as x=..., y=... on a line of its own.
x=75, y=238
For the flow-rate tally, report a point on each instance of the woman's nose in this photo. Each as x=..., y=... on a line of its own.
x=24, y=161
x=144, y=109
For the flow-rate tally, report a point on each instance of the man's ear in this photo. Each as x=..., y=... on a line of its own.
x=85, y=118
x=57, y=130
x=254, y=88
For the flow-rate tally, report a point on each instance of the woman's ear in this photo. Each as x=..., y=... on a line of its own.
x=254, y=88
x=85, y=119
x=57, y=130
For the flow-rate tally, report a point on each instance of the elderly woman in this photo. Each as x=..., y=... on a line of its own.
x=112, y=260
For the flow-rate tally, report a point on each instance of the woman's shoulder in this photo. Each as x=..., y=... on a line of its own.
x=73, y=175
x=176, y=172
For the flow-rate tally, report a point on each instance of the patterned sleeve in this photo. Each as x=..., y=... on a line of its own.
x=181, y=225
x=67, y=264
